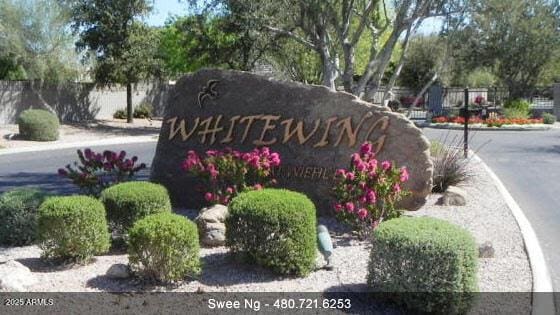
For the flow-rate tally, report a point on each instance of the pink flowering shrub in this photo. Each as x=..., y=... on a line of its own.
x=228, y=172
x=98, y=171
x=366, y=193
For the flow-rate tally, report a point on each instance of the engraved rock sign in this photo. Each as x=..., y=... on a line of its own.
x=314, y=129
x=209, y=91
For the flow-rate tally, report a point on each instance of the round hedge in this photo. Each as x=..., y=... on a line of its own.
x=128, y=202
x=38, y=125
x=274, y=228
x=18, y=213
x=73, y=228
x=164, y=247
x=431, y=262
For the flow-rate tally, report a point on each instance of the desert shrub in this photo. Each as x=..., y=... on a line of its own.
x=516, y=113
x=430, y=262
x=97, y=171
x=548, y=118
x=164, y=247
x=274, y=228
x=144, y=110
x=18, y=213
x=518, y=103
x=73, y=228
x=450, y=167
x=38, y=125
x=128, y=202
x=367, y=191
x=120, y=114
x=226, y=173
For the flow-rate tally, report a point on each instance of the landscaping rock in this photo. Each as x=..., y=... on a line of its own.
x=486, y=250
x=211, y=225
x=15, y=277
x=315, y=131
x=118, y=271
x=453, y=196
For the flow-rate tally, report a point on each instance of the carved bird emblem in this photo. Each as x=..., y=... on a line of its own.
x=209, y=91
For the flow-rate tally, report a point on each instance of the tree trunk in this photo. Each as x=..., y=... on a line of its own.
x=393, y=80
x=329, y=71
x=383, y=62
x=376, y=67
x=129, y=103
x=348, y=75
x=419, y=95
x=39, y=95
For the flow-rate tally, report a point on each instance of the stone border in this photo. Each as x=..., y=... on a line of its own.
x=67, y=145
x=454, y=126
x=542, y=303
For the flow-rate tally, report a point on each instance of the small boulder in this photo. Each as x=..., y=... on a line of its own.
x=486, y=250
x=211, y=225
x=15, y=277
x=453, y=196
x=118, y=271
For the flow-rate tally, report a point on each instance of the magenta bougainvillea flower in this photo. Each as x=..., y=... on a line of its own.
x=225, y=173
x=97, y=171
x=367, y=192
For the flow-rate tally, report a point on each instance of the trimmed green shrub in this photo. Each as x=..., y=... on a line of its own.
x=120, y=114
x=274, y=228
x=164, y=247
x=38, y=125
x=72, y=228
x=18, y=213
x=430, y=262
x=548, y=118
x=128, y=202
x=144, y=110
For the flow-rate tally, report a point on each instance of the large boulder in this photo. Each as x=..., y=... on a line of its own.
x=211, y=225
x=15, y=277
x=314, y=129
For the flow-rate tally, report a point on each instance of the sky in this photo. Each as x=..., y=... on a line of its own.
x=163, y=9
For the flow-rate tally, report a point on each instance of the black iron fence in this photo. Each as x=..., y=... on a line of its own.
x=440, y=100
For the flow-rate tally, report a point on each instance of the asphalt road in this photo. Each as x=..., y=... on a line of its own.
x=40, y=168
x=527, y=162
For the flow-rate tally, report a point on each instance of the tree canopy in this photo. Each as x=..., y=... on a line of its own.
x=35, y=41
x=516, y=39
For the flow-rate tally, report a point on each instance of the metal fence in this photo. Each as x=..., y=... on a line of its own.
x=449, y=100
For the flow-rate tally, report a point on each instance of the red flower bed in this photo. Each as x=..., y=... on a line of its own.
x=489, y=122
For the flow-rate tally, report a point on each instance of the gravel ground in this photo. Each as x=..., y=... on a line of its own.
x=486, y=216
x=94, y=130
x=220, y=272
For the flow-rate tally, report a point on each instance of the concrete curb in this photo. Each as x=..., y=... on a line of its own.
x=542, y=303
x=58, y=146
x=482, y=128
